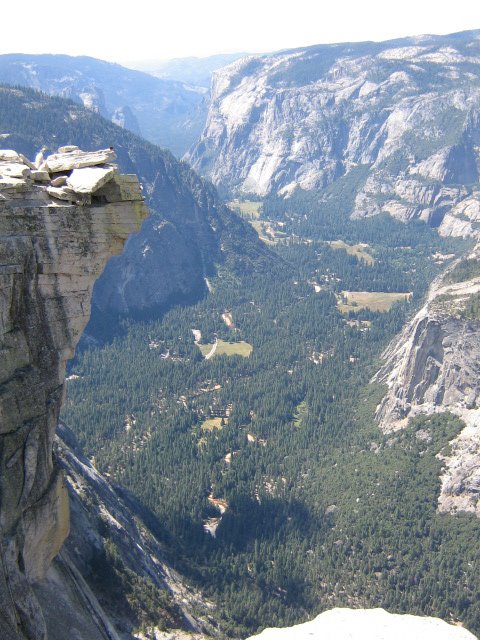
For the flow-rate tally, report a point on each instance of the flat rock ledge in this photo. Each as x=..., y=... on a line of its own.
x=61, y=219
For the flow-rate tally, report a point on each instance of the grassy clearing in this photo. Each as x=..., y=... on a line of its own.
x=357, y=250
x=373, y=300
x=242, y=348
x=212, y=423
x=248, y=208
x=234, y=349
x=205, y=348
x=300, y=414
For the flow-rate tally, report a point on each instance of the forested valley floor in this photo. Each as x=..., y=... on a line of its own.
x=275, y=491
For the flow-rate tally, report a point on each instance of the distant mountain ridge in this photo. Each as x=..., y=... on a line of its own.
x=192, y=70
x=405, y=112
x=165, y=112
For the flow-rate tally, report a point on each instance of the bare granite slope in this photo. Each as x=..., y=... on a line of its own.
x=434, y=366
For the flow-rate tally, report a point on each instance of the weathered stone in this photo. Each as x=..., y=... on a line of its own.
x=8, y=155
x=11, y=183
x=121, y=187
x=50, y=256
x=40, y=176
x=14, y=169
x=89, y=179
x=40, y=159
x=59, y=181
x=68, y=149
x=46, y=525
x=367, y=624
x=26, y=161
x=58, y=162
x=62, y=193
x=68, y=195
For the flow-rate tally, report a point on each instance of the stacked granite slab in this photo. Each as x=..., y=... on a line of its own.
x=68, y=176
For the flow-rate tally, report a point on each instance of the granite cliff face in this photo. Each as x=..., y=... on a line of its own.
x=60, y=221
x=433, y=366
x=399, y=120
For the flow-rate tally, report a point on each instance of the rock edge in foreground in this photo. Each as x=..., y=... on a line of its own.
x=367, y=624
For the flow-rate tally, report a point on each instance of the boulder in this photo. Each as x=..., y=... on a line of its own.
x=14, y=170
x=26, y=161
x=68, y=149
x=89, y=179
x=76, y=159
x=65, y=193
x=7, y=182
x=58, y=182
x=8, y=155
x=40, y=176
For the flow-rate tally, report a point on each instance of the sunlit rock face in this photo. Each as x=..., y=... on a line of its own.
x=61, y=218
x=396, y=122
x=367, y=624
x=433, y=366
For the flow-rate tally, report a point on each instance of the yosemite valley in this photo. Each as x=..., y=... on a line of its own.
x=274, y=408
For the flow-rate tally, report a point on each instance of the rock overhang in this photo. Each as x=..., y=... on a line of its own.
x=61, y=219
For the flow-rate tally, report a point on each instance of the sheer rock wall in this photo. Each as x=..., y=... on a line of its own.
x=58, y=227
x=434, y=366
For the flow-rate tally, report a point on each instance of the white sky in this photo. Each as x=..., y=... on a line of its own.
x=139, y=30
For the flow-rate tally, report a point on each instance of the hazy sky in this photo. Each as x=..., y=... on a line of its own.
x=139, y=30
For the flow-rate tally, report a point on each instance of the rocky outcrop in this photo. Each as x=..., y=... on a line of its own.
x=125, y=118
x=434, y=366
x=55, y=241
x=367, y=624
x=405, y=112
